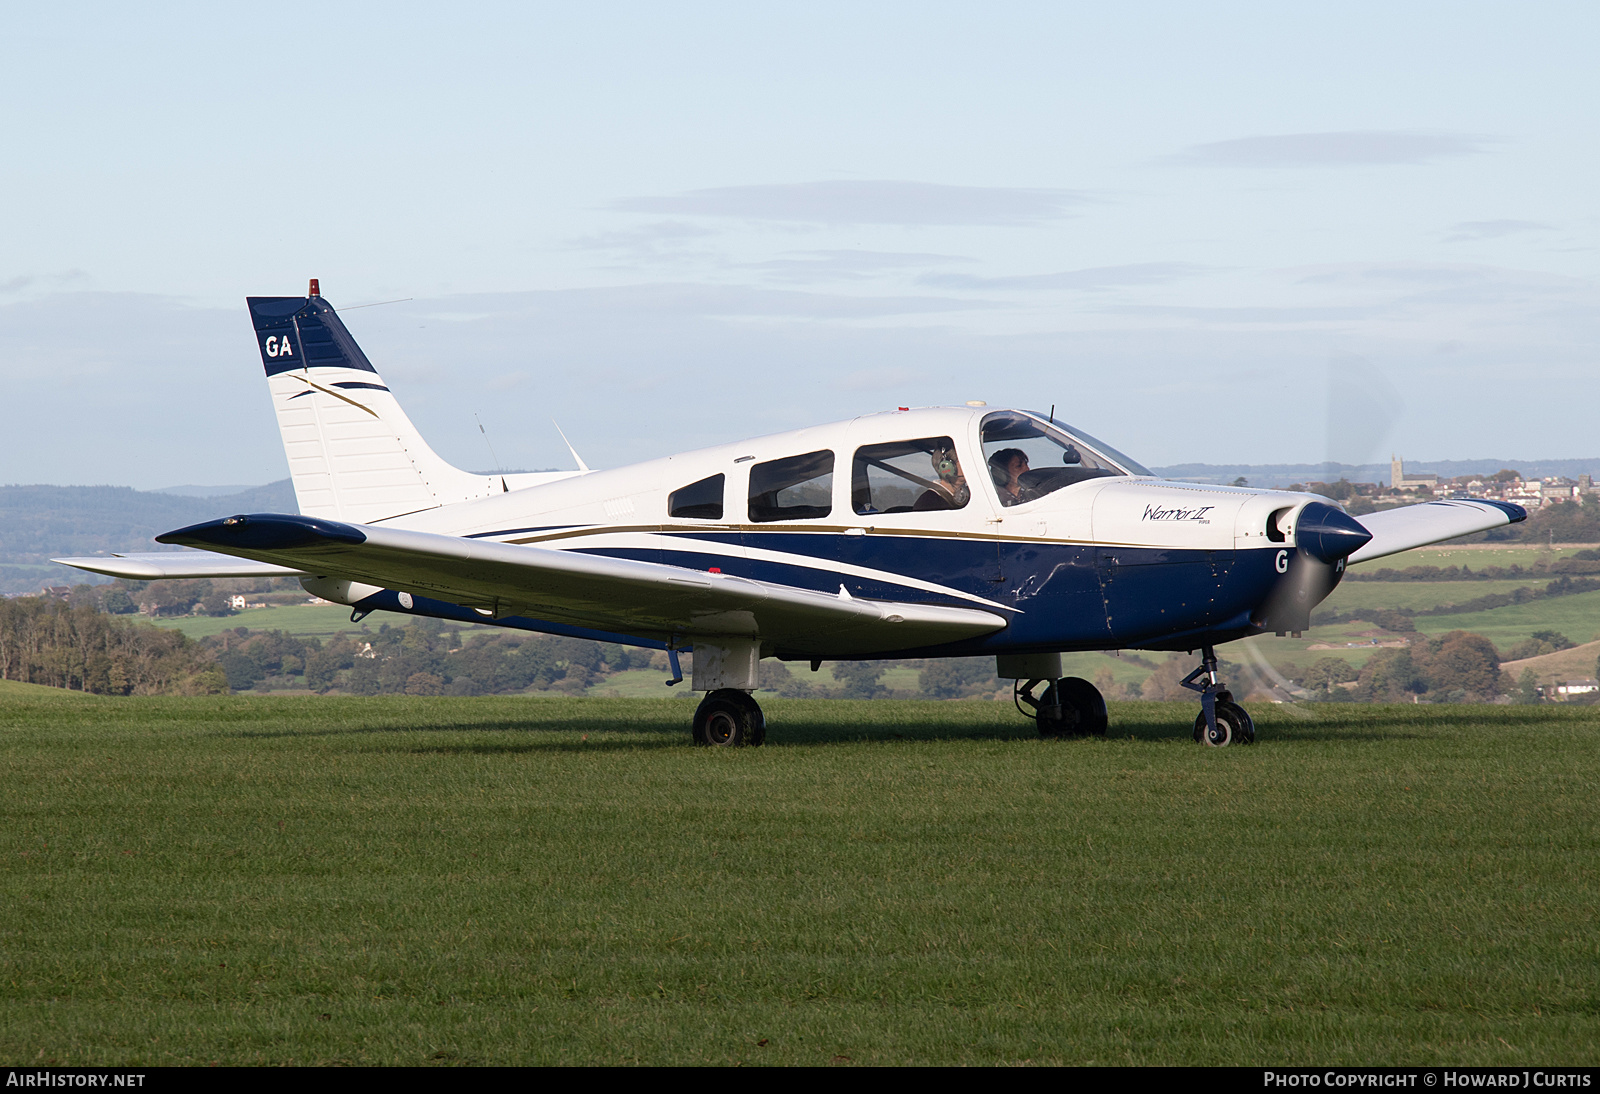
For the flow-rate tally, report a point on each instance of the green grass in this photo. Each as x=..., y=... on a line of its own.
x=512, y=880
x=1356, y=595
x=302, y=620
x=1476, y=555
x=1577, y=617
x=15, y=689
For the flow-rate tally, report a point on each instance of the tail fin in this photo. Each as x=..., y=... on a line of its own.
x=353, y=453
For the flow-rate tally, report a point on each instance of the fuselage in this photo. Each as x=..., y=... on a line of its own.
x=1098, y=554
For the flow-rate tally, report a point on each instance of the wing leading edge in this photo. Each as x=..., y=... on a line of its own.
x=1396, y=530
x=620, y=595
x=162, y=565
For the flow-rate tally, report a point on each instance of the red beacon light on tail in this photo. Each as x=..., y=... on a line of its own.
x=316, y=290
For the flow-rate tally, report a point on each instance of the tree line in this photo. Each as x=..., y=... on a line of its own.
x=77, y=646
x=78, y=643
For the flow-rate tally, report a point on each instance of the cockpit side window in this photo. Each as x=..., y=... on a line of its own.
x=920, y=476
x=699, y=500
x=796, y=488
x=1028, y=458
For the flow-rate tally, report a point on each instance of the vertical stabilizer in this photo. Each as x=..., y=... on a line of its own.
x=353, y=453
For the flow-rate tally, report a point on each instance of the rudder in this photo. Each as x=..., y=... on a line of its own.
x=353, y=454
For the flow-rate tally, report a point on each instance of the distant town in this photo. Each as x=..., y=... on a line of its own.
x=1408, y=487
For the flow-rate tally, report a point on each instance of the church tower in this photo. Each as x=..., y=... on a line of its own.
x=1397, y=471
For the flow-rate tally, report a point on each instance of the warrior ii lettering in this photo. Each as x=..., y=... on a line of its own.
x=1155, y=512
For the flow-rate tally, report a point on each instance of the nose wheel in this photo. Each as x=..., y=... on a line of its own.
x=1069, y=707
x=1221, y=722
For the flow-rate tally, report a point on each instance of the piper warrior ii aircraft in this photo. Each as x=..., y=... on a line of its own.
x=928, y=532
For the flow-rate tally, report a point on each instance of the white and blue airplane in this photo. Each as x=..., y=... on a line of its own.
x=927, y=532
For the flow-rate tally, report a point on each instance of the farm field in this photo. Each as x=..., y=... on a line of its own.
x=1356, y=595
x=301, y=620
x=530, y=880
x=1578, y=617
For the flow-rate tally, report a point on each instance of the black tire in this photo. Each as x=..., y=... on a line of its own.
x=728, y=718
x=1234, y=727
x=1090, y=705
x=1247, y=725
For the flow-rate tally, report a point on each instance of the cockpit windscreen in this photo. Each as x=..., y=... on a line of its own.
x=1029, y=458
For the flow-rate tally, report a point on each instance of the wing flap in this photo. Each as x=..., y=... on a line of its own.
x=1396, y=530
x=596, y=591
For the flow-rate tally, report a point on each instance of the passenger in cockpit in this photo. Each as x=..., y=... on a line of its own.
x=951, y=491
x=1007, y=467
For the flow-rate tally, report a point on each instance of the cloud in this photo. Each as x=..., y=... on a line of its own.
x=1356, y=148
x=865, y=202
x=663, y=238
x=638, y=372
x=1469, y=230
x=1405, y=273
x=847, y=265
x=1450, y=281
x=1094, y=279
x=1227, y=317
x=689, y=300
x=27, y=284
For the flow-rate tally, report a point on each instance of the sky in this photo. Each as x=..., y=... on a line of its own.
x=1222, y=233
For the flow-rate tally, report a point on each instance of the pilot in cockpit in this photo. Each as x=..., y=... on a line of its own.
x=951, y=491
x=1007, y=467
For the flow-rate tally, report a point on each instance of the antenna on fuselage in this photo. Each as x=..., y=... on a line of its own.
x=579, y=459
x=499, y=470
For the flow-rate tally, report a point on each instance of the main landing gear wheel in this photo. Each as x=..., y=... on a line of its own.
x=729, y=718
x=1070, y=707
x=1234, y=727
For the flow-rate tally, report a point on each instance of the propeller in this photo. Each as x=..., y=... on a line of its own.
x=1326, y=535
x=1362, y=408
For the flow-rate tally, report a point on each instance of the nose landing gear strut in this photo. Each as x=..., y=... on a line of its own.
x=1221, y=721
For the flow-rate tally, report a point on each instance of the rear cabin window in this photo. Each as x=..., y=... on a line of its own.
x=699, y=500
x=796, y=488
x=917, y=476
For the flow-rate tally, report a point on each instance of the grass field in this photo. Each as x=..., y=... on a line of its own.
x=304, y=620
x=1354, y=595
x=1577, y=617
x=507, y=880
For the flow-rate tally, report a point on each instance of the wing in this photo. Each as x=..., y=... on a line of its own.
x=168, y=564
x=619, y=595
x=1395, y=530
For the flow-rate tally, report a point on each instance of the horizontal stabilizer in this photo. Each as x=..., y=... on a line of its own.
x=626, y=596
x=1396, y=530
x=169, y=564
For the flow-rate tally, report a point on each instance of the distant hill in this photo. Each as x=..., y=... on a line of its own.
x=1569, y=664
x=41, y=522
x=205, y=491
x=1283, y=474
